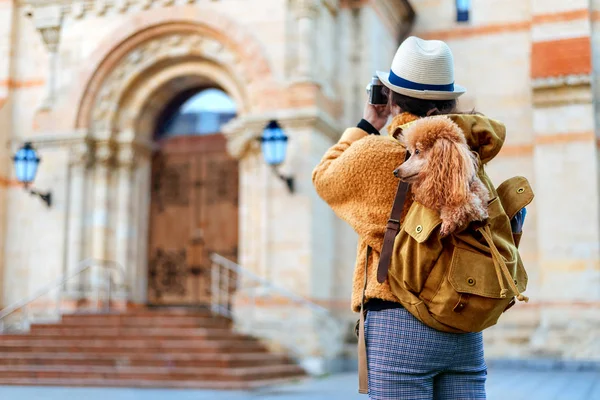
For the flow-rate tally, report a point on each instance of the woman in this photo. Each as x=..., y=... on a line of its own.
x=406, y=359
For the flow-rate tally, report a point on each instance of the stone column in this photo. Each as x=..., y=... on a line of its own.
x=306, y=12
x=48, y=21
x=80, y=159
x=140, y=196
x=101, y=211
x=287, y=238
x=126, y=223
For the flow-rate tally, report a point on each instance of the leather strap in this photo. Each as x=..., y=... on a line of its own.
x=392, y=229
x=363, y=374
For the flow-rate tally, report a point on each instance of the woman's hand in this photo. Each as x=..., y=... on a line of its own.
x=376, y=115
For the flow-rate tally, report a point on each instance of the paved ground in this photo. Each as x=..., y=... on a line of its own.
x=502, y=385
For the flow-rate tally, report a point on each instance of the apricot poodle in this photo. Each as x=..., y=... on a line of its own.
x=443, y=173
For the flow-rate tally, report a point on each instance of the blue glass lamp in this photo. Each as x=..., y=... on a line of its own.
x=26, y=163
x=274, y=144
x=462, y=10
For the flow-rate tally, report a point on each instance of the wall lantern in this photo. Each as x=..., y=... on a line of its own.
x=462, y=10
x=26, y=165
x=274, y=148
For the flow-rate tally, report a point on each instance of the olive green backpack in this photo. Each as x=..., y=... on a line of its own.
x=463, y=282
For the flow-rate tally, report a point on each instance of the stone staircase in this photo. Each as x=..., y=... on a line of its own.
x=141, y=348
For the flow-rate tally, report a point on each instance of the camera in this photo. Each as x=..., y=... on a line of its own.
x=375, y=91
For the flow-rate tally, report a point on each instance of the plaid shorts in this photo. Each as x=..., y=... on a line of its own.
x=410, y=361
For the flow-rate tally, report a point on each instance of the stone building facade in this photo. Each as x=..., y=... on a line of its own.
x=87, y=80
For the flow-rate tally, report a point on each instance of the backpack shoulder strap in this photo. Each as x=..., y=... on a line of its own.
x=392, y=229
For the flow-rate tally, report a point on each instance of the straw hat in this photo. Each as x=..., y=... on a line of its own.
x=423, y=69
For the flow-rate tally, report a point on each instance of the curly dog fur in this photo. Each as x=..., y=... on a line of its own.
x=443, y=172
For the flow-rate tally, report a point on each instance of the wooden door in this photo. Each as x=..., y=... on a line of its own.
x=193, y=213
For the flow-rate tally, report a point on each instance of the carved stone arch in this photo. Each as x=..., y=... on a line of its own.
x=138, y=109
x=175, y=45
x=190, y=55
x=189, y=34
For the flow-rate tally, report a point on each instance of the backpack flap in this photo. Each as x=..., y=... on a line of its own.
x=420, y=222
x=515, y=193
x=416, y=248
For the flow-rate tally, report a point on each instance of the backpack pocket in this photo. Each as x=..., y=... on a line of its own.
x=470, y=298
x=416, y=249
x=474, y=273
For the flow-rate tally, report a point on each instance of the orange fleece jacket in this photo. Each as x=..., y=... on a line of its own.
x=357, y=171
x=355, y=177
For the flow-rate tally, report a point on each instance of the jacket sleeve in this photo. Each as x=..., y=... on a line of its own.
x=355, y=177
x=331, y=178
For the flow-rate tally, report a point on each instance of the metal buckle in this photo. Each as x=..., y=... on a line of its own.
x=394, y=222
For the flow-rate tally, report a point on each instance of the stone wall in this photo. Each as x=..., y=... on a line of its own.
x=102, y=73
x=529, y=65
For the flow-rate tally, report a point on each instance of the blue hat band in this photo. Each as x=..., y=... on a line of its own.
x=406, y=84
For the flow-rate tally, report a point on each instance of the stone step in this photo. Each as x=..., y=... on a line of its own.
x=151, y=373
x=172, y=336
x=172, y=384
x=158, y=360
x=128, y=320
x=141, y=348
x=165, y=311
x=59, y=330
x=129, y=345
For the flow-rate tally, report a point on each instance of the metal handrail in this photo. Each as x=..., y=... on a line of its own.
x=222, y=303
x=232, y=266
x=60, y=282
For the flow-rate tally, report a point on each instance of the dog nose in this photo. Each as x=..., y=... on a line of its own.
x=396, y=172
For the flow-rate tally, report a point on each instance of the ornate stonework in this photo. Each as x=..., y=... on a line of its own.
x=150, y=53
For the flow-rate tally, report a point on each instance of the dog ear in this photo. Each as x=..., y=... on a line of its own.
x=447, y=175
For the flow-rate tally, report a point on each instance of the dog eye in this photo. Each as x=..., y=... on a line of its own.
x=417, y=151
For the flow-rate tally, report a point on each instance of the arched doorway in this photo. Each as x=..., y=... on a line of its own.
x=194, y=197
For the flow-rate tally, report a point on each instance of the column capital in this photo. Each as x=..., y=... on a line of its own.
x=129, y=153
x=306, y=8
x=81, y=154
x=104, y=153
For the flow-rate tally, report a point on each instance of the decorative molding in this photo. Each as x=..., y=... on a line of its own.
x=561, y=90
x=143, y=57
x=243, y=132
x=52, y=139
x=558, y=81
